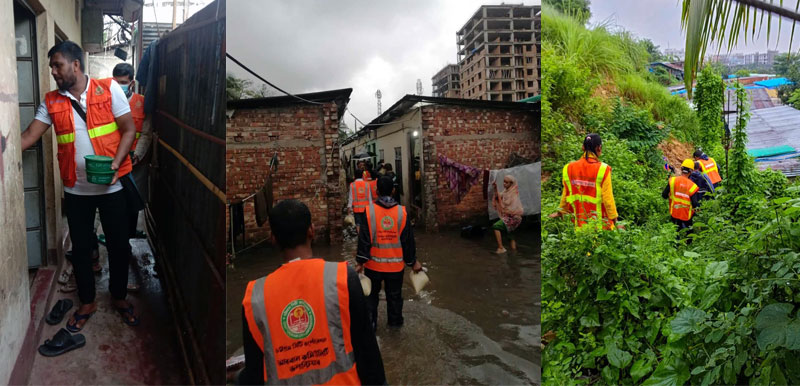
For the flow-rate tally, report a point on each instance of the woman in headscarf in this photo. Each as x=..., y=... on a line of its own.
x=509, y=207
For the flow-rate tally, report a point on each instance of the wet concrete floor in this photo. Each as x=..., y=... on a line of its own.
x=116, y=353
x=477, y=322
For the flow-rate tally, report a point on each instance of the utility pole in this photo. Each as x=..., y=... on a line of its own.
x=185, y=10
x=174, y=12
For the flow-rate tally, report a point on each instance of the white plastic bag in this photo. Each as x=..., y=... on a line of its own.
x=419, y=279
x=366, y=284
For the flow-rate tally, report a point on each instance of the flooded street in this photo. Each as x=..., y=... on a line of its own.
x=477, y=322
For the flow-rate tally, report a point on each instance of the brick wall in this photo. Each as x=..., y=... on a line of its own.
x=481, y=138
x=305, y=139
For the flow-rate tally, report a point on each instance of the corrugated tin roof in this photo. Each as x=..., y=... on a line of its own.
x=771, y=127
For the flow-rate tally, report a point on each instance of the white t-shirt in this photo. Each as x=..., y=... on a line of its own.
x=83, y=145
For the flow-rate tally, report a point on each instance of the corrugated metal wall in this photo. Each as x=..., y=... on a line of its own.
x=187, y=210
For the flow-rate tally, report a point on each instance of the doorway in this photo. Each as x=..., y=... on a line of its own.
x=32, y=158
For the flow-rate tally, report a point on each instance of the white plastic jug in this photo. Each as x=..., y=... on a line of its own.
x=419, y=279
x=366, y=284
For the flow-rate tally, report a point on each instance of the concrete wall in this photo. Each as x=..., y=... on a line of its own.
x=481, y=138
x=394, y=135
x=14, y=293
x=306, y=141
x=53, y=17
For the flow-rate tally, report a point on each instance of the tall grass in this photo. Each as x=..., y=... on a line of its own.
x=596, y=49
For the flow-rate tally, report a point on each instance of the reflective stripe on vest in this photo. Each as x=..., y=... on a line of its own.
x=577, y=201
x=100, y=131
x=343, y=361
x=385, y=256
x=65, y=138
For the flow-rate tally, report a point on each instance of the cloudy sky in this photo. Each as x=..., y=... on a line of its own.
x=316, y=45
x=660, y=21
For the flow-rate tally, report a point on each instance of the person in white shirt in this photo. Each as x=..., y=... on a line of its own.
x=102, y=126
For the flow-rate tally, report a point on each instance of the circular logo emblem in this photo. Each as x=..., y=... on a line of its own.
x=387, y=223
x=98, y=91
x=297, y=319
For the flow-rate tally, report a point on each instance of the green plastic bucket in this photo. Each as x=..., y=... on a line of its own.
x=98, y=169
x=98, y=163
x=100, y=178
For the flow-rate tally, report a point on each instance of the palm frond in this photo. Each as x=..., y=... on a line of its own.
x=719, y=22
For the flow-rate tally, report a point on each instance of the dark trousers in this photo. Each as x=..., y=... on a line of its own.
x=394, y=297
x=360, y=219
x=114, y=217
x=684, y=225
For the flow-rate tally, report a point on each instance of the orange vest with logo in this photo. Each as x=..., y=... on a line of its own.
x=361, y=193
x=299, y=316
x=100, y=123
x=583, y=182
x=681, y=190
x=385, y=227
x=137, y=113
x=709, y=167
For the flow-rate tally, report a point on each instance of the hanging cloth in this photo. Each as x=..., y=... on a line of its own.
x=237, y=218
x=460, y=178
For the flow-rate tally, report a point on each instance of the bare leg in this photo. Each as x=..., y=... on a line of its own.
x=499, y=237
x=513, y=245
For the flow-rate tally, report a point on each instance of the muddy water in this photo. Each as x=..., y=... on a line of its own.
x=477, y=322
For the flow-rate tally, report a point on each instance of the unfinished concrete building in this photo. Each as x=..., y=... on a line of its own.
x=446, y=82
x=499, y=53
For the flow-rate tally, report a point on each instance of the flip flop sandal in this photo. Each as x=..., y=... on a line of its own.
x=78, y=317
x=141, y=234
x=60, y=309
x=124, y=312
x=101, y=239
x=66, y=273
x=133, y=287
x=62, y=342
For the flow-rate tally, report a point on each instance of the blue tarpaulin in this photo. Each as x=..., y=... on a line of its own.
x=774, y=82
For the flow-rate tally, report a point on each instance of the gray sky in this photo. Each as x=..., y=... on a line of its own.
x=660, y=21
x=316, y=45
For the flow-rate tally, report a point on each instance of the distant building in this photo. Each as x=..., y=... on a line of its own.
x=499, y=53
x=416, y=130
x=755, y=59
x=446, y=82
x=675, y=68
x=675, y=53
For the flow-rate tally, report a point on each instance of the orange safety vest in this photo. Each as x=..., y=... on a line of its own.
x=709, y=168
x=299, y=316
x=100, y=123
x=373, y=187
x=583, y=181
x=361, y=193
x=681, y=190
x=385, y=227
x=137, y=113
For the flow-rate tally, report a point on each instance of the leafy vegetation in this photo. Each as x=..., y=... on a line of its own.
x=708, y=102
x=640, y=305
x=578, y=9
